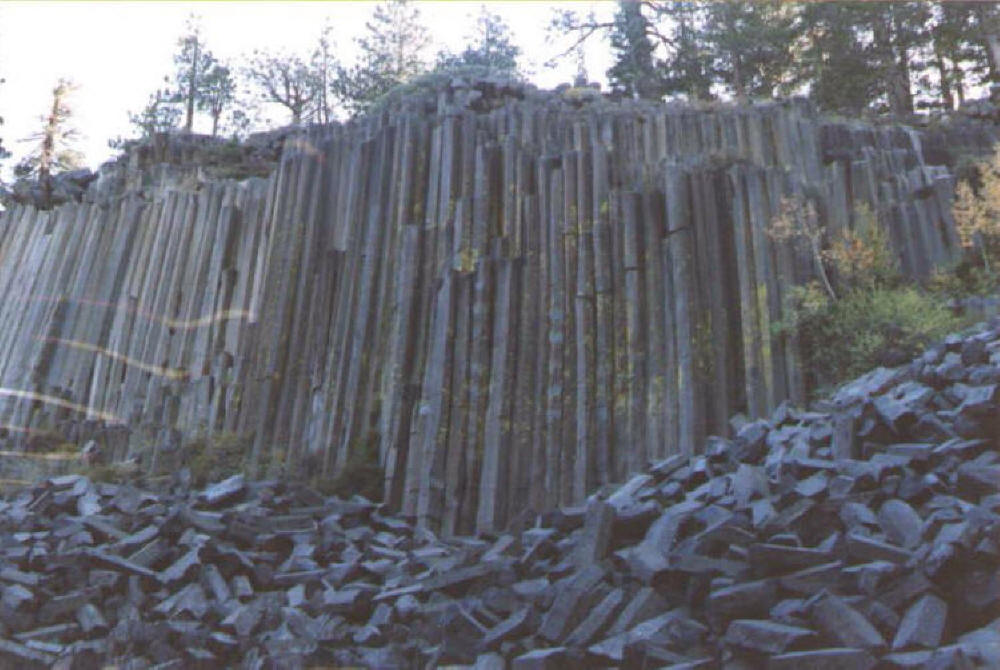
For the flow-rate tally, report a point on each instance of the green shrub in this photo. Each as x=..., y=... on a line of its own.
x=965, y=279
x=869, y=327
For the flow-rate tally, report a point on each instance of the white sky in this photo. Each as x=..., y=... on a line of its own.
x=119, y=52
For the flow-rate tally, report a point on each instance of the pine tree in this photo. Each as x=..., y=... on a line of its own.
x=4, y=154
x=985, y=32
x=490, y=47
x=54, y=151
x=324, y=67
x=635, y=72
x=217, y=93
x=160, y=115
x=391, y=53
x=899, y=31
x=948, y=35
x=834, y=61
x=751, y=45
x=687, y=66
x=193, y=62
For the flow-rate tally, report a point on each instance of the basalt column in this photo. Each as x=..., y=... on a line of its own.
x=503, y=304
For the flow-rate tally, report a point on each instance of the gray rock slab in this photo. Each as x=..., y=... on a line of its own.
x=766, y=636
x=901, y=523
x=923, y=624
x=823, y=659
x=843, y=624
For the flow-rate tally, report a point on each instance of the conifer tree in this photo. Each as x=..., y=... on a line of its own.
x=391, y=53
x=490, y=47
x=54, y=151
x=160, y=115
x=217, y=93
x=3, y=151
x=686, y=68
x=325, y=68
x=193, y=62
x=750, y=45
x=635, y=72
x=833, y=61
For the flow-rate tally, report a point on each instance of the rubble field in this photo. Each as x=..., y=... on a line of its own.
x=862, y=534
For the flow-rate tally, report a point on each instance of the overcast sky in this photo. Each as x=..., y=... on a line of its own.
x=119, y=52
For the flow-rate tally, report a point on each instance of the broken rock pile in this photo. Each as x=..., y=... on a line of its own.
x=862, y=534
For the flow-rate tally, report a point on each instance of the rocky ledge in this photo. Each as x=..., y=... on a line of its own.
x=862, y=535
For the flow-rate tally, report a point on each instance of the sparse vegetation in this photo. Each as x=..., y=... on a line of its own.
x=361, y=475
x=216, y=457
x=977, y=218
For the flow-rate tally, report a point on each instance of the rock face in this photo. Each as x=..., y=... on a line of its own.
x=786, y=558
x=511, y=300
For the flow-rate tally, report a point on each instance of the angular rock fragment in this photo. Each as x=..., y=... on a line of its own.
x=597, y=620
x=843, y=624
x=645, y=604
x=552, y=658
x=224, y=491
x=823, y=659
x=766, y=636
x=901, y=523
x=567, y=609
x=510, y=627
x=741, y=601
x=923, y=624
x=593, y=544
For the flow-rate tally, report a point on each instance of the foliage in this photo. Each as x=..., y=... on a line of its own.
x=634, y=72
x=325, y=68
x=283, y=78
x=194, y=63
x=217, y=93
x=491, y=47
x=54, y=151
x=862, y=255
x=867, y=327
x=391, y=53
x=832, y=60
x=216, y=457
x=111, y=473
x=977, y=214
x=878, y=56
x=871, y=318
x=160, y=115
x=797, y=221
x=4, y=153
x=361, y=475
x=749, y=44
x=965, y=279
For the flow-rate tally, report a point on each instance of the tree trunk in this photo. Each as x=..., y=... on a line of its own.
x=959, y=85
x=947, y=99
x=189, y=125
x=738, y=85
x=992, y=45
x=215, y=123
x=47, y=153
x=993, y=53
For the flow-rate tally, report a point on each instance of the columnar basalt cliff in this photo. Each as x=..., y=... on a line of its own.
x=508, y=297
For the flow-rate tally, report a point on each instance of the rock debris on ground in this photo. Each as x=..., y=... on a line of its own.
x=862, y=534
